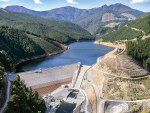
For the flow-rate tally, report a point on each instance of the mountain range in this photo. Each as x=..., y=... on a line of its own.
x=89, y=19
x=73, y=14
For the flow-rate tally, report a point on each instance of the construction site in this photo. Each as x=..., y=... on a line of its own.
x=115, y=83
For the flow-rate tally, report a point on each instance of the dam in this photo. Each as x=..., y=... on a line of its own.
x=47, y=80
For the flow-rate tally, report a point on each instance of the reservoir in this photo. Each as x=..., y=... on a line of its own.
x=84, y=52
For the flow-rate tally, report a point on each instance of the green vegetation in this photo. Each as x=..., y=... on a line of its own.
x=94, y=21
x=45, y=43
x=140, y=51
x=17, y=44
x=73, y=14
x=65, y=107
x=14, y=46
x=57, y=30
x=41, y=30
x=124, y=33
x=105, y=30
x=5, y=65
x=2, y=69
x=23, y=100
x=142, y=23
x=73, y=94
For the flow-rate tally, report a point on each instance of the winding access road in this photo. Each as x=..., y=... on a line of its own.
x=7, y=96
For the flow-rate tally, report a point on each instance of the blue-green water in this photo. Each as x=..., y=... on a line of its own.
x=84, y=52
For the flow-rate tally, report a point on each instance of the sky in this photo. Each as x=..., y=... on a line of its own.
x=42, y=5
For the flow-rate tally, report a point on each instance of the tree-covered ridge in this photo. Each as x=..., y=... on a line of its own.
x=59, y=30
x=19, y=44
x=23, y=100
x=142, y=23
x=124, y=33
x=40, y=29
x=140, y=51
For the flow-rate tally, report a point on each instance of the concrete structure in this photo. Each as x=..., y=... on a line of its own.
x=47, y=80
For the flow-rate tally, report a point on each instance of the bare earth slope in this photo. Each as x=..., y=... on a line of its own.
x=120, y=77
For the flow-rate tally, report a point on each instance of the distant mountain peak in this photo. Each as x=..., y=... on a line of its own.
x=73, y=14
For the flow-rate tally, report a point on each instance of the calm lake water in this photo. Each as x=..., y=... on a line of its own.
x=84, y=52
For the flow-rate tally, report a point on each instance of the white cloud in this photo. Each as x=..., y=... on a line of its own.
x=38, y=10
x=4, y=0
x=37, y=1
x=139, y=1
x=72, y=2
x=6, y=5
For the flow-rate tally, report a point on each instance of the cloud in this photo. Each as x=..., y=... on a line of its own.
x=38, y=10
x=139, y=1
x=37, y=1
x=6, y=5
x=4, y=0
x=72, y=2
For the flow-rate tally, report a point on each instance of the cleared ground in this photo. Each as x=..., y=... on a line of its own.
x=113, y=24
x=110, y=44
x=116, y=66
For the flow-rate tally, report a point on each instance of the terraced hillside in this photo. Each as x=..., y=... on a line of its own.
x=123, y=77
x=116, y=80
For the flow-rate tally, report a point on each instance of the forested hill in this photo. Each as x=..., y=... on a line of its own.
x=140, y=49
x=16, y=45
x=142, y=23
x=60, y=31
x=135, y=29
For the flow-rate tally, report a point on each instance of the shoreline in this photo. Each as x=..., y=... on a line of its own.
x=63, y=46
x=22, y=61
x=109, y=44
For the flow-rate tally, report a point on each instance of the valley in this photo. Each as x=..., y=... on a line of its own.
x=50, y=61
